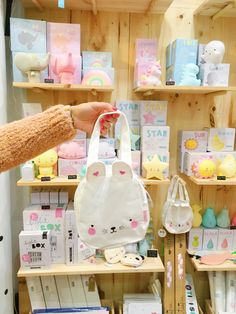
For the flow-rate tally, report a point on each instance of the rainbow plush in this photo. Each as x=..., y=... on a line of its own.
x=96, y=78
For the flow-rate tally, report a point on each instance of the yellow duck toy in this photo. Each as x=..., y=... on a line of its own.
x=45, y=163
x=227, y=167
x=197, y=218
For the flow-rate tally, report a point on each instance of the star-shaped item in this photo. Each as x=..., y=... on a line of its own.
x=154, y=168
x=149, y=118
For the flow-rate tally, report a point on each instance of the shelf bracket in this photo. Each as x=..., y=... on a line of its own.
x=38, y=5
x=94, y=92
x=222, y=11
x=148, y=93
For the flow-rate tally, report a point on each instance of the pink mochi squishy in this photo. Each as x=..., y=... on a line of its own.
x=71, y=150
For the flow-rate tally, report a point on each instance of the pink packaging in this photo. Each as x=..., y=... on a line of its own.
x=70, y=166
x=146, y=49
x=147, y=72
x=75, y=149
x=63, y=38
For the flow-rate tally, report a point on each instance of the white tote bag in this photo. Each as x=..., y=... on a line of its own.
x=177, y=215
x=111, y=203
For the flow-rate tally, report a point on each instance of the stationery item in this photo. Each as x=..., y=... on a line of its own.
x=50, y=292
x=97, y=59
x=131, y=109
x=68, y=167
x=221, y=139
x=64, y=292
x=90, y=290
x=77, y=291
x=217, y=258
x=153, y=112
x=230, y=292
x=191, y=301
x=210, y=238
x=35, y=293
x=155, y=138
x=195, y=239
x=219, y=291
x=192, y=141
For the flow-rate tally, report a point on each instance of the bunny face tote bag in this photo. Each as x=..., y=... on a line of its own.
x=111, y=203
x=177, y=215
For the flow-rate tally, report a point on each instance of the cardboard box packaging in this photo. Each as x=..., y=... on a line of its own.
x=214, y=74
x=146, y=49
x=221, y=139
x=70, y=166
x=192, y=141
x=155, y=139
x=153, y=112
x=191, y=158
x=96, y=59
x=35, y=196
x=50, y=292
x=131, y=109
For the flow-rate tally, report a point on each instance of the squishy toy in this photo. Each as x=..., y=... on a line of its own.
x=154, y=168
x=209, y=218
x=197, y=218
x=189, y=75
x=45, y=163
x=64, y=68
x=204, y=168
x=227, y=167
x=115, y=255
x=222, y=219
x=71, y=150
x=214, y=52
x=133, y=260
x=233, y=221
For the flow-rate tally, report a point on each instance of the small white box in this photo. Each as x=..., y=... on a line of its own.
x=221, y=139
x=192, y=141
x=91, y=295
x=35, y=249
x=225, y=240
x=153, y=112
x=195, y=238
x=64, y=292
x=214, y=74
x=210, y=239
x=164, y=156
x=77, y=291
x=35, y=197
x=27, y=172
x=54, y=196
x=191, y=158
x=35, y=293
x=155, y=138
x=63, y=197
x=50, y=292
x=44, y=197
x=70, y=166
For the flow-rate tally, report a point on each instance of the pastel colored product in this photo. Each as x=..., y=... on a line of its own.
x=96, y=78
x=45, y=163
x=216, y=259
x=204, y=168
x=146, y=49
x=209, y=218
x=96, y=59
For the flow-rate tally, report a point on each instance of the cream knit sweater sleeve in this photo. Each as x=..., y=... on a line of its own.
x=24, y=139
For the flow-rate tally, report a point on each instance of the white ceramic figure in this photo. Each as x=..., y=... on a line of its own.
x=31, y=64
x=214, y=52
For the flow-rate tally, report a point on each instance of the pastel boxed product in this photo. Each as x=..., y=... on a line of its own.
x=147, y=73
x=163, y=156
x=191, y=158
x=80, y=135
x=96, y=59
x=63, y=196
x=27, y=171
x=234, y=240
x=184, y=51
x=201, y=48
x=91, y=295
x=154, y=168
x=30, y=109
x=131, y=109
x=98, y=77
x=181, y=161
x=44, y=197
x=195, y=238
x=63, y=38
x=191, y=300
x=210, y=239
x=153, y=112
x=35, y=219
x=35, y=249
x=221, y=139
x=189, y=75
x=65, y=68
x=75, y=149
x=136, y=161
x=46, y=163
x=28, y=35
x=226, y=164
x=168, y=55
x=84, y=251
x=175, y=72
x=193, y=141
x=22, y=76
x=155, y=138
x=35, y=196
x=54, y=196
x=35, y=293
x=64, y=292
x=68, y=167
x=146, y=49
x=214, y=74
x=134, y=136
x=225, y=240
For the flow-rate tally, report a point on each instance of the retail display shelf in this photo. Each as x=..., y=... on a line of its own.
x=213, y=181
x=217, y=8
x=226, y=266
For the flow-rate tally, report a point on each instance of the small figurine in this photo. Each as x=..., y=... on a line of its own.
x=214, y=52
x=209, y=218
x=204, y=168
x=227, y=167
x=71, y=150
x=154, y=168
x=115, y=255
x=45, y=163
x=222, y=219
x=189, y=75
x=197, y=218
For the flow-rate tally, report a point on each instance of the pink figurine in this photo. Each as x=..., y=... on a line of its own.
x=64, y=69
x=71, y=150
x=233, y=221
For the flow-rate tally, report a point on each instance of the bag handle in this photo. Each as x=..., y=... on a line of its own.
x=125, y=144
x=172, y=191
x=183, y=194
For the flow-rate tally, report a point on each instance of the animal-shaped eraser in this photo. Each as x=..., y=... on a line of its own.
x=115, y=255
x=133, y=260
x=197, y=218
x=214, y=52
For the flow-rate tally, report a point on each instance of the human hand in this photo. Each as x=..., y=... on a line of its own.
x=85, y=115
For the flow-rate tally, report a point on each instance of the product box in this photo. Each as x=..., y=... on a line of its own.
x=181, y=161
x=210, y=239
x=35, y=293
x=63, y=196
x=27, y=171
x=164, y=156
x=195, y=238
x=28, y=35
x=168, y=56
x=44, y=197
x=65, y=68
x=70, y=166
x=35, y=196
x=63, y=38
x=153, y=112
x=80, y=135
x=54, y=196
x=146, y=49
x=225, y=240
x=90, y=290
x=106, y=148
x=201, y=48
x=221, y=139
x=35, y=219
x=191, y=300
x=155, y=139
x=234, y=240
x=184, y=51
x=35, y=249
x=174, y=73
x=50, y=292
x=214, y=74
x=96, y=59
x=193, y=141
x=77, y=291
x=98, y=77
x=191, y=158
x=64, y=292
x=131, y=109
x=147, y=73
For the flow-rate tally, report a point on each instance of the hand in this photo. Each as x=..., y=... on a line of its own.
x=85, y=115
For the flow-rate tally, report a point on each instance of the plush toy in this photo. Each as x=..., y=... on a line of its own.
x=214, y=52
x=45, y=163
x=222, y=219
x=152, y=75
x=71, y=150
x=197, y=218
x=209, y=218
x=227, y=167
x=106, y=150
x=64, y=69
x=31, y=64
x=204, y=168
x=154, y=168
x=115, y=255
x=189, y=75
x=133, y=260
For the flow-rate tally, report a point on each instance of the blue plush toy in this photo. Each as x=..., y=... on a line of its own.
x=189, y=75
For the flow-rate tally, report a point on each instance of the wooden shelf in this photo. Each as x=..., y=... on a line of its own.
x=100, y=267
x=226, y=266
x=213, y=181
x=149, y=90
x=74, y=182
x=40, y=87
x=217, y=8
x=140, y=6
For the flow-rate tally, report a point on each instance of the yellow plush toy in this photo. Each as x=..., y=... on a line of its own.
x=227, y=167
x=45, y=163
x=197, y=218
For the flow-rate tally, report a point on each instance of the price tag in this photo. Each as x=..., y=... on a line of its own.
x=152, y=253
x=221, y=177
x=72, y=176
x=47, y=80
x=45, y=207
x=45, y=178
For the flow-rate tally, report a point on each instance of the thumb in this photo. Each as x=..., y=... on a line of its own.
x=103, y=107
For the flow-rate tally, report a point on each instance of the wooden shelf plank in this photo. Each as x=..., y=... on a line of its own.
x=217, y=8
x=213, y=181
x=149, y=90
x=140, y=6
x=100, y=267
x=63, y=87
x=226, y=266
x=74, y=182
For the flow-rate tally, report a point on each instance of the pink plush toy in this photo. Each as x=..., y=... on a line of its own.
x=153, y=74
x=71, y=150
x=64, y=69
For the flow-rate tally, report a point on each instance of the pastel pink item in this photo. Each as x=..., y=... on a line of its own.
x=71, y=150
x=216, y=259
x=233, y=221
x=64, y=69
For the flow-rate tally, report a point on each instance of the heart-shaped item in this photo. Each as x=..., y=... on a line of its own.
x=96, y=173
x=122, y=172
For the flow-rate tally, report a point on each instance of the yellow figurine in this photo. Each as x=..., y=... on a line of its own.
x=45, y=163
x=197, y=218
x=227, y=167
x=154, y=168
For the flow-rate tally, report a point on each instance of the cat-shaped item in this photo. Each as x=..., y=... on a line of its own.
x=111, y=205
x=115, y=255
x=133, y=260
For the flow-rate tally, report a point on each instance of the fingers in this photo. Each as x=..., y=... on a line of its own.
x=102, y=106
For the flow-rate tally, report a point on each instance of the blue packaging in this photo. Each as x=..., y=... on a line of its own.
x=184, y=51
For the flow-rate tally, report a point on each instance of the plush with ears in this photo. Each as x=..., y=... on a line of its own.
x=133, y=260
